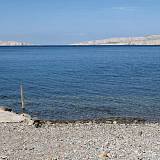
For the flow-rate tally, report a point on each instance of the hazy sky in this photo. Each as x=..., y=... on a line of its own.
x=68, y=21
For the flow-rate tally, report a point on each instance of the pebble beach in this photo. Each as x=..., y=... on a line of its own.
x=80, y=141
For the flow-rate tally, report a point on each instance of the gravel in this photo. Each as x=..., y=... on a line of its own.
x=76, y=141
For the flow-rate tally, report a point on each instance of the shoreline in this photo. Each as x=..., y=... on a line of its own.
x=8, y=116
x=113, y=120
x=99, y=139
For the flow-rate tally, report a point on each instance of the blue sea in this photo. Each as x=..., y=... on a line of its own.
x=78, y=82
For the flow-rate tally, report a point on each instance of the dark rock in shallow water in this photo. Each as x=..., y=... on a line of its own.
x=2, y=108
x=38, y=123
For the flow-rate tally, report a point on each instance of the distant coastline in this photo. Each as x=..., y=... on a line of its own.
x=14, y=43
x=146, y=40
x=149, y=40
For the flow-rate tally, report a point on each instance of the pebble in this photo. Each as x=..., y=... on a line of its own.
x=19, y=141
x=104, y=155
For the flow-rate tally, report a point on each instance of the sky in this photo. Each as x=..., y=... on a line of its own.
x=72, y=21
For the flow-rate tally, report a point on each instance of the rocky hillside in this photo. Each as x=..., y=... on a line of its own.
x=13, y=43
x=146, y=40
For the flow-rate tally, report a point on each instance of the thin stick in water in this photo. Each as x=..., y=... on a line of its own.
x=22, y=98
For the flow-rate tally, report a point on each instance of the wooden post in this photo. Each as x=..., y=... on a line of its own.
x=22, y=98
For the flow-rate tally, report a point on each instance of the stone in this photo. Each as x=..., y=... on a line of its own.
x=3, y=108
x=104, y=155
x=27, y=119
x=10, y=117
x=6, y=116
x=114, y=122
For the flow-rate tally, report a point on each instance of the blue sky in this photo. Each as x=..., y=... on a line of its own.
x=69, y=21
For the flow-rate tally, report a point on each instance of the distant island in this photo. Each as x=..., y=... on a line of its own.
x=146, y=40
x=13, y=43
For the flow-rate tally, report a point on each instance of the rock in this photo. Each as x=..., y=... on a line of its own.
x=3, y=157
x=2, y=108
x=114, y=122
x=38, y=123
x=27, y=119
x=104, y=155
x=10, y=117
x=6, y=116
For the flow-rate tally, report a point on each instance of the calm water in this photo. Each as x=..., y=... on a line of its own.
x=82, y=82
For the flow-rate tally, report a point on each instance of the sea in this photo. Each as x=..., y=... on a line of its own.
x=82, y=82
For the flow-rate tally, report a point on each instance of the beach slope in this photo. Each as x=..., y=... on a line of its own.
x=77, y=141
